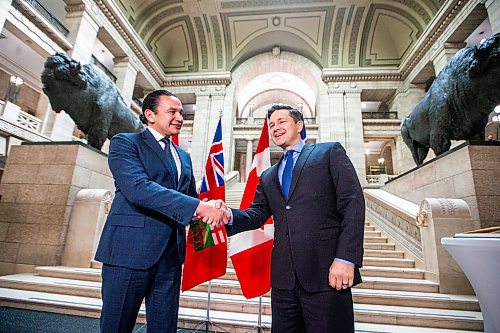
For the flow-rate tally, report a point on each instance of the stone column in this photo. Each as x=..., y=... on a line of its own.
x=4, y=10
x=404, y=101
x=125, y=78
x=343, y=122
x=43, y=111
x=82, y=32
x=249, y=157
x=331, y=122
x=209, y=103
x=493, y=8
x=443, y=54
x=200, y=129
x=354, y=132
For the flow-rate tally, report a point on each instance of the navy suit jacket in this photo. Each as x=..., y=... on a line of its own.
x=322, y=219
x=149, y=204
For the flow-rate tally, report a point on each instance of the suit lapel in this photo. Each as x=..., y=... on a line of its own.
x=155, y=146
x=299, y=165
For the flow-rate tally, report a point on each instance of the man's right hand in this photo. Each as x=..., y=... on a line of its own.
x=214, y=212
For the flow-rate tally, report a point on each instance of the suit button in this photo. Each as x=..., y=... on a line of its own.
x=288, y=207
x=287, y=236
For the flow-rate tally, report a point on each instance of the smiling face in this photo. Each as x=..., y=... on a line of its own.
x=168, y=117
x=285, y=132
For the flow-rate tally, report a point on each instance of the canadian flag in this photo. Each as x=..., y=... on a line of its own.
x=250, y=251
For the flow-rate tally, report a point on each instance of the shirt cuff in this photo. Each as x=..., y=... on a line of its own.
x=344, y=261
x=231, y=218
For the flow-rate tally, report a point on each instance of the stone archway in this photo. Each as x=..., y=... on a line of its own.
x=266, y=78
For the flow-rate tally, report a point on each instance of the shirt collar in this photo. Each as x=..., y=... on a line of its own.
x=298, y=147
x=155, y=133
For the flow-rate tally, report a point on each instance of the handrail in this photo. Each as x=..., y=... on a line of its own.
x=48, y=16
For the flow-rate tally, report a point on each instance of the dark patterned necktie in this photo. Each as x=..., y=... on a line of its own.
x=286, y=178
x=170, y=159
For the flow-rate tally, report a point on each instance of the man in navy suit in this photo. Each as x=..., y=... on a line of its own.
x=142, y=246
x=318, y=208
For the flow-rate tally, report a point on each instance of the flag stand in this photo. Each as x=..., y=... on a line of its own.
x=259, y=328
x=206, y=324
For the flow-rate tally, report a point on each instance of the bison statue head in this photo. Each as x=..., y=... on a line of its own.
x=89, y=97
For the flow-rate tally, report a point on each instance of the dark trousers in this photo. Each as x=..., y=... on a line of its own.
x=123, y=290
x=299, y=311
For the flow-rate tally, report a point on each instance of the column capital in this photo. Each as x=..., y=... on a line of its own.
x=123, y=59
x=343, y=88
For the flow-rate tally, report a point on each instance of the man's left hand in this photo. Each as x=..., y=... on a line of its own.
x=341, y=275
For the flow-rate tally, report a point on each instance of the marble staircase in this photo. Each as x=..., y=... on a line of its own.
x=394, y=297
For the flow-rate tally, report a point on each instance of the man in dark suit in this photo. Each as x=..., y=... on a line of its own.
x=142, y=246
x=318, y=208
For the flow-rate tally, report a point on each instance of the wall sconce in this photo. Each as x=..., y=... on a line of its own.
x=13, y=89
x=381, y=164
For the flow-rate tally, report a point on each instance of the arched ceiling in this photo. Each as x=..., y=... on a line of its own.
x=211, y=35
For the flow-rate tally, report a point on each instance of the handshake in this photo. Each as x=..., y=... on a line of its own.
x=213, y=212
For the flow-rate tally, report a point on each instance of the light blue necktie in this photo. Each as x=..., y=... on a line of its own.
x=286, y=178
x=170, y=158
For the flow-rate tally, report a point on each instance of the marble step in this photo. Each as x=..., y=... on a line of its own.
x=422, y=317
x=380, y=239
x=360, y=296
x=384, y=253
x=379, y=246
x=373, y=233
x=388, y=262
x=92, y=274
x=220, y=286
x=379, y=283
x=371, y=261
x=396, y=272
x=235, y=320
x=388, y=283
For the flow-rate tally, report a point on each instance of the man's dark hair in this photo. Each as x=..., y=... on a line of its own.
x=294, y=113
x=151, y=102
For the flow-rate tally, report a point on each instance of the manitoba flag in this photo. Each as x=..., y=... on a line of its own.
x=250, y=251
x=206, y=248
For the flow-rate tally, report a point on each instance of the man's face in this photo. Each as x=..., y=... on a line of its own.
x=168, y=117
x=284, y=131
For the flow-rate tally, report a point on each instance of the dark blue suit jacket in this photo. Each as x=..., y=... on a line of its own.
x=149, y=205
x=322, y=219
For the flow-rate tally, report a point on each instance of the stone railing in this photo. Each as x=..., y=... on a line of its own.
x=378, y=180
x=379, y=115
x=28, y=121
x=396, y=217
x=46, y=14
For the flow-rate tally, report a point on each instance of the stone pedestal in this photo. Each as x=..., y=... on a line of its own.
x=440, y=218
x=89, y=213
x=470, y=171
x=38, y=191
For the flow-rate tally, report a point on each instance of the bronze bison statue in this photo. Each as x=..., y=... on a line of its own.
x=89, y=97
x=458, y=103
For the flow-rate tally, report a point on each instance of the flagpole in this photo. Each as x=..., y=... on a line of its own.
x=259, y=320
x=207, y=321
